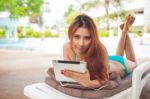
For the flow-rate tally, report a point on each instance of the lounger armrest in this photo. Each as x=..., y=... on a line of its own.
x=137, y=81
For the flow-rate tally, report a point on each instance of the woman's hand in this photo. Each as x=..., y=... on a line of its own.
x=82, y=78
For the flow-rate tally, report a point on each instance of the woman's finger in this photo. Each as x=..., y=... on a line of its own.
x=69, y=73
x=87, y=72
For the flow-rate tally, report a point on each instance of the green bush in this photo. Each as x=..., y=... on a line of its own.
x=103, y=33
x=47, y=33
x=20, y=35
x=137, y=31
x=2, y=32
x=55, y=35
x=20, y=32
x=29, y=32
x=115, y=32
x=35, y=34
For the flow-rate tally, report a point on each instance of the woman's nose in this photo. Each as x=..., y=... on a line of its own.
x=81, y=42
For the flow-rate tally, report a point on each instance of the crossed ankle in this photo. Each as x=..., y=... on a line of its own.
x=124, y=32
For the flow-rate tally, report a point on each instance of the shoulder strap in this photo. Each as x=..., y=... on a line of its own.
x=108, y=70
x=74, y=56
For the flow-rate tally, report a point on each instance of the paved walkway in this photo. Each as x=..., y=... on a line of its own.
x=21, y=68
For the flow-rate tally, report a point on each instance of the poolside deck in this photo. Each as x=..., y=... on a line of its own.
x=19, y=68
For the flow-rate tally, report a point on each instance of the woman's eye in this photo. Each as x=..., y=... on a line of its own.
x=87, y=38
x=76, y=37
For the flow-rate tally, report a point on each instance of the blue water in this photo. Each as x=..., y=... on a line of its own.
x=50, y=45
x=16, y=44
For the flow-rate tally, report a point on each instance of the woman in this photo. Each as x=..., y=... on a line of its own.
x=85, y=46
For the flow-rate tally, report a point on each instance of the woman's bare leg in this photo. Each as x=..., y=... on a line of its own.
x=129, y=49
x=121, y=45
x=125, y=43
x=130, y=55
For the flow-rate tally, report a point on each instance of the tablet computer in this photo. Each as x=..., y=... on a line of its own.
x=59, y=65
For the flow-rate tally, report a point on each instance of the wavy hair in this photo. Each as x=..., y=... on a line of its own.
x=96, y=55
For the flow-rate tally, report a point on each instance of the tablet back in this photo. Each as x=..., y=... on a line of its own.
x=70, y=65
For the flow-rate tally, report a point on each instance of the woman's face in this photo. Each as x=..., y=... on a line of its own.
x=81, y=40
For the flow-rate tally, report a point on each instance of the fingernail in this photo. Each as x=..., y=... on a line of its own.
x=62, y=72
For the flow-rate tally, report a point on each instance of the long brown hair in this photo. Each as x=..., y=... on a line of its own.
x=96, y=55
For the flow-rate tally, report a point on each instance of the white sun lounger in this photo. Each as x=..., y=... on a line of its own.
x=43, y=91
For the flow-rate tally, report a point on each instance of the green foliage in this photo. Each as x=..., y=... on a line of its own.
x=66, y=31
x=55, y=35
x=123, y=14
x=113, y=16
x=3, y=5
x=2, y=32
x=29, y=32
x=71, y=17
x=20, y=32
x=103, y=33
x=70, y=14
x=19, y=8
x=19, y=29
x=115, y=32
x=35, y=34
x=34, y=6
x=20, y=35
x=69, y=11
x=98, y=20
x=90, y=4
x=137, y=32
x=48, y=33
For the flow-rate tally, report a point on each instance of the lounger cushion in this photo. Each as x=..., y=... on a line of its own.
x=110, y=88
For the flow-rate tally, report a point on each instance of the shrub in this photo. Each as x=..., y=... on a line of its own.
x=29, y=32
x=35, y=34
x=2, y=32
x=20, y=32
x=103, y=33
x=137, y=31
x=47, y=33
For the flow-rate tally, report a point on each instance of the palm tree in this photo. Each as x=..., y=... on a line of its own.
x=92, y=4
x=106, y=5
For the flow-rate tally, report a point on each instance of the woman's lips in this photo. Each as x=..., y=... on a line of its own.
x=80, y=49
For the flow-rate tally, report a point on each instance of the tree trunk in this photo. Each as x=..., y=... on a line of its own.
x=107, y=15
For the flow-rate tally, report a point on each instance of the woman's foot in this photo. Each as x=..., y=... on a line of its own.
x=126, y=26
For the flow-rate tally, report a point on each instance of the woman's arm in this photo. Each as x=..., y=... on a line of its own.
x=66, y=51
x=83, y=78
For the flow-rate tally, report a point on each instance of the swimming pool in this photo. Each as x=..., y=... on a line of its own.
x=52, y=45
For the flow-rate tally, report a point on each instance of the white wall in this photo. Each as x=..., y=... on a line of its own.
x=147, y=16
